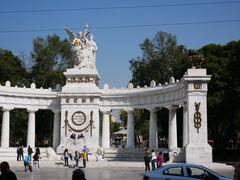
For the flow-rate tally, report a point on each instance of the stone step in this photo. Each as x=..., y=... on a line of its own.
x=10, y=154
x=127, y=154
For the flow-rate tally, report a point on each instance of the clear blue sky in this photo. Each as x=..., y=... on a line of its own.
x=117, y=46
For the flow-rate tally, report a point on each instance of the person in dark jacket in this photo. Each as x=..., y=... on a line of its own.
x=147, y=159
x=78, y=174
x=7, y=174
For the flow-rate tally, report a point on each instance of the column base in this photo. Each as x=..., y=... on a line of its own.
x=198, y=153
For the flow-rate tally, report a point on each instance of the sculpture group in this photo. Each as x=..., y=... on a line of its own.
x=84, y=48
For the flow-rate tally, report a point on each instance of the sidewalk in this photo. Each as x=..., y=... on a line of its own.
x=102, y=164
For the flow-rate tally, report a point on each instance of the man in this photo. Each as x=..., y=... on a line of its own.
x=85, y=148
x=7, y=174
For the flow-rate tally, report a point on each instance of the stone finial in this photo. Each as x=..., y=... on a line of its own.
x=8, y=84
x=138, y=86
x=171, y=80
x=177, y=80
x=105, y=86
x=166, y=83
x=130, y=85
x=152, y=83
x=159, y=84
x=145, y=86
x=33, y=86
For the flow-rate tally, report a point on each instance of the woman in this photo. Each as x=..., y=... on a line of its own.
x=159, y=159
x=65, y=155
x=153, y=159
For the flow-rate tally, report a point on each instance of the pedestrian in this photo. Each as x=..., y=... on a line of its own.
x=84, y=158
x=6, y=173
x=35, y=161
x=153, y=160
x=39, y=153
x=18, y=154
x=160, y=159
x=76, y=158
x=78, y=174
x=85, y=148
x=27, y=163
x=147, y=158
x=30, y=151
x=20, y=150
x=66, y=156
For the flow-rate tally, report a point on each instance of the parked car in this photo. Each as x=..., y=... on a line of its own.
x=183, y=171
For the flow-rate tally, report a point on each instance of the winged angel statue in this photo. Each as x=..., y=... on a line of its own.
x=84, y=48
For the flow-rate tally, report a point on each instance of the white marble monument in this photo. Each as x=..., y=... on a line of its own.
x=77, y=105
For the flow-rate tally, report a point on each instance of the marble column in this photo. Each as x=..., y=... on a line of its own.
x=106, y=130
x=5, y=127
x=153, y=133
x=130, y=129
x=31, y=127
x=56, y=128
x=172, y=128
x=185, y=126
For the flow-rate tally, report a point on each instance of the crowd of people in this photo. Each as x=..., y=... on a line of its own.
x=77, y=157
x=151, y=157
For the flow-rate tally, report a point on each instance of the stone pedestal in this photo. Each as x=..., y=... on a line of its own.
x=197, y=149
x=79, y=110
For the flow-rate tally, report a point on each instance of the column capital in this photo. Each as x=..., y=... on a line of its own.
x=105, y=110
x=172, y=107
x=128, y=109
x=7, y=108
x=152, y=109
x=32, y=110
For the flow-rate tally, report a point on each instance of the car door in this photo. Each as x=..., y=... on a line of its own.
x=195, y=173
x=173, y=173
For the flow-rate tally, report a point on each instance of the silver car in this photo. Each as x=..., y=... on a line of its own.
x=183, y=171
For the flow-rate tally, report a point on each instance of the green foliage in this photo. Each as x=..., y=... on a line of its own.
x=223, y=63
x=161, y=59
x=18, y=124
x=51, y=57
x=12, y=69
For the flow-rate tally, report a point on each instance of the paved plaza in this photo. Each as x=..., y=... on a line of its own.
x=97, y=170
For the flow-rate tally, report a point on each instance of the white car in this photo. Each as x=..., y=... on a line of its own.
x=183, y=171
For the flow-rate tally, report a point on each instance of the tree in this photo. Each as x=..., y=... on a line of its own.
x=223, y=63
x=12, y=69
x=51, y=56
x=161, y=59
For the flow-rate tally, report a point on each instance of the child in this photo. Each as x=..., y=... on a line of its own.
x=27, y=163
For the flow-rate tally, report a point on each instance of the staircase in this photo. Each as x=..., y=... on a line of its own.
x=10, y=154
x=126, y=154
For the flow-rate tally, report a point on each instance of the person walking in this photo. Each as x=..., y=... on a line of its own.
x=76, y=158
x=85, y=148
x=66, y=156
x=160, y=159
x=30, y=151
x=27, y=163
x=153, y=160
x=18, y=155
x=84, y=158
x=6, y=173
x=39, y=153
x=35, y=161
x=147, y=158
x=78, y=174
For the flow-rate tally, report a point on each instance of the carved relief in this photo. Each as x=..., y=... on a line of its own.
x=197, y=117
